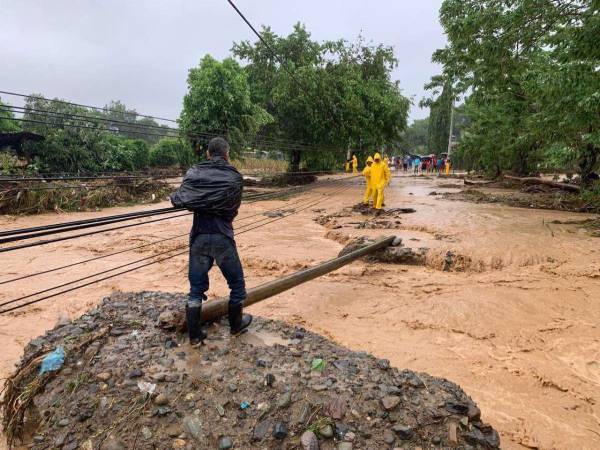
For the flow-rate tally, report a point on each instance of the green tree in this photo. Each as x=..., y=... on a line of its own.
x=170, y=152
x=218, y=102
x=7, y=125
x=530, y=70
x=333, y=95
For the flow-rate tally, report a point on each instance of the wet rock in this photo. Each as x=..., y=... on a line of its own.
x=146, y=433
x=104, y=376
x=225, y=443
x=136, y=373
x=280, y=430
x=383, y=364
x=284, y=400
x=336, y=408
x=388, y=437
x=403, y=431
x=326, y=431
x=261, y=430
x=113, y=443
x=473, y=413
x=161, y=400
x=193, y=427
x=63, y=422
x=309, y=441
x=456, y=407
x=390, y=402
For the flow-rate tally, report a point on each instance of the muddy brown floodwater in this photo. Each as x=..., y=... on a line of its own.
x=516, y=326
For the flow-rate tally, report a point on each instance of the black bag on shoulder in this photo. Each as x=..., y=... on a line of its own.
x=211, y=187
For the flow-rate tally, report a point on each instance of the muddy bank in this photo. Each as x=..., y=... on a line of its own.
x=129, y=380
x=76, y=196
x=532, y=196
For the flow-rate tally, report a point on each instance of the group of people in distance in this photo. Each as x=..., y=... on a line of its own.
x=427, y=164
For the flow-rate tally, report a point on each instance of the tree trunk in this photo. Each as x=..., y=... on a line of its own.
x=588, y=158
x=295, y=161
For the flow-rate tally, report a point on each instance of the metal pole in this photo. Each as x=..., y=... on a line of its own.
x=217, y=308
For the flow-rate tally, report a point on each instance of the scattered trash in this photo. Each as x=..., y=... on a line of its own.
x=317, y=365
x=146, y=388
x=53, y=361
x=244, y=405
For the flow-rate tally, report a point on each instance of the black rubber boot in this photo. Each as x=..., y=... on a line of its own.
x=196, y=333
x=238, y=322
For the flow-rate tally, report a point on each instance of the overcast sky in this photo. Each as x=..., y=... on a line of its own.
x=139, y=52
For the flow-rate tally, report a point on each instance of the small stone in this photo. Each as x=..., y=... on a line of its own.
x=284, y=400
x=220, y=410
x=159, y=377
x=146, y=433
x=161, y=400
x=232, y=387
x=388, y=437
x=63, y=422
x=350, y=436
x=326, y=431
x=336, y=408
x=163, y=411
x=112, y=443
x=383, y=364
x=473, y=413
x=104, y=376
x=389, y=402
x=280, y=430
x=260, y=430
x=436, y=440
x=345, y=446
x=309, y=441
x=193, y=426
x=38, y=438
x=225, y=443
x=464, y=421
x=403, y=431
x=173, y=430
x=136, y=373
x=179, y=443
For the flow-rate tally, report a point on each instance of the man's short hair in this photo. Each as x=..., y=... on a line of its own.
x=218, y=147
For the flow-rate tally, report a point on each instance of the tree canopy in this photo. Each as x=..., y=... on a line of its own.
x=530, y=72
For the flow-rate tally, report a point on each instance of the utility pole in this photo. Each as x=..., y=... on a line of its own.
x=451, y=127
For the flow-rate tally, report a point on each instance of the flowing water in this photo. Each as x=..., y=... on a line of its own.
x=515, y=322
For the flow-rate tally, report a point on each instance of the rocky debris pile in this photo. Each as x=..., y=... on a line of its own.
x=395, y=254
x=555, y=200
x=128, y=383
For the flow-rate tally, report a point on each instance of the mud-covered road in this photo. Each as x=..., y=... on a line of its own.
x=515, y=323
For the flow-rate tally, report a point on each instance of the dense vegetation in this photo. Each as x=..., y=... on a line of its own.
x=328, y=96
x=529, y=74
x=77, y=139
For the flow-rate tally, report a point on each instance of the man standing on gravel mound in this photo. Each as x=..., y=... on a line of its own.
x=213, y=191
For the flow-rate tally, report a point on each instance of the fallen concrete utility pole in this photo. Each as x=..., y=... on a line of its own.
x=217, y=308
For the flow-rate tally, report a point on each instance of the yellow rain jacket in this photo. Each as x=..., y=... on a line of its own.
x=380, y=175
x=367, y=174
x=354, y=164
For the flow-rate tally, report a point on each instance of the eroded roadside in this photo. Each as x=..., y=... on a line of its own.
x=514, y=324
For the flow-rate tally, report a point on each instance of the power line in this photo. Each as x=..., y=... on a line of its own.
x=134, y=248
x=6, y=310
x=87, y=106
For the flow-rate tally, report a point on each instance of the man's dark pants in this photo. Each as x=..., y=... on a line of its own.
x=205, y=251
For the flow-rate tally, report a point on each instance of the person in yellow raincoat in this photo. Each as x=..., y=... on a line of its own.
x=367, y=174
x=379, y=179
x=354, y=164
x=347, y=166
x=388, y=171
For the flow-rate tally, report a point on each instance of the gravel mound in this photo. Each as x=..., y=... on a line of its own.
x=130, y=380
